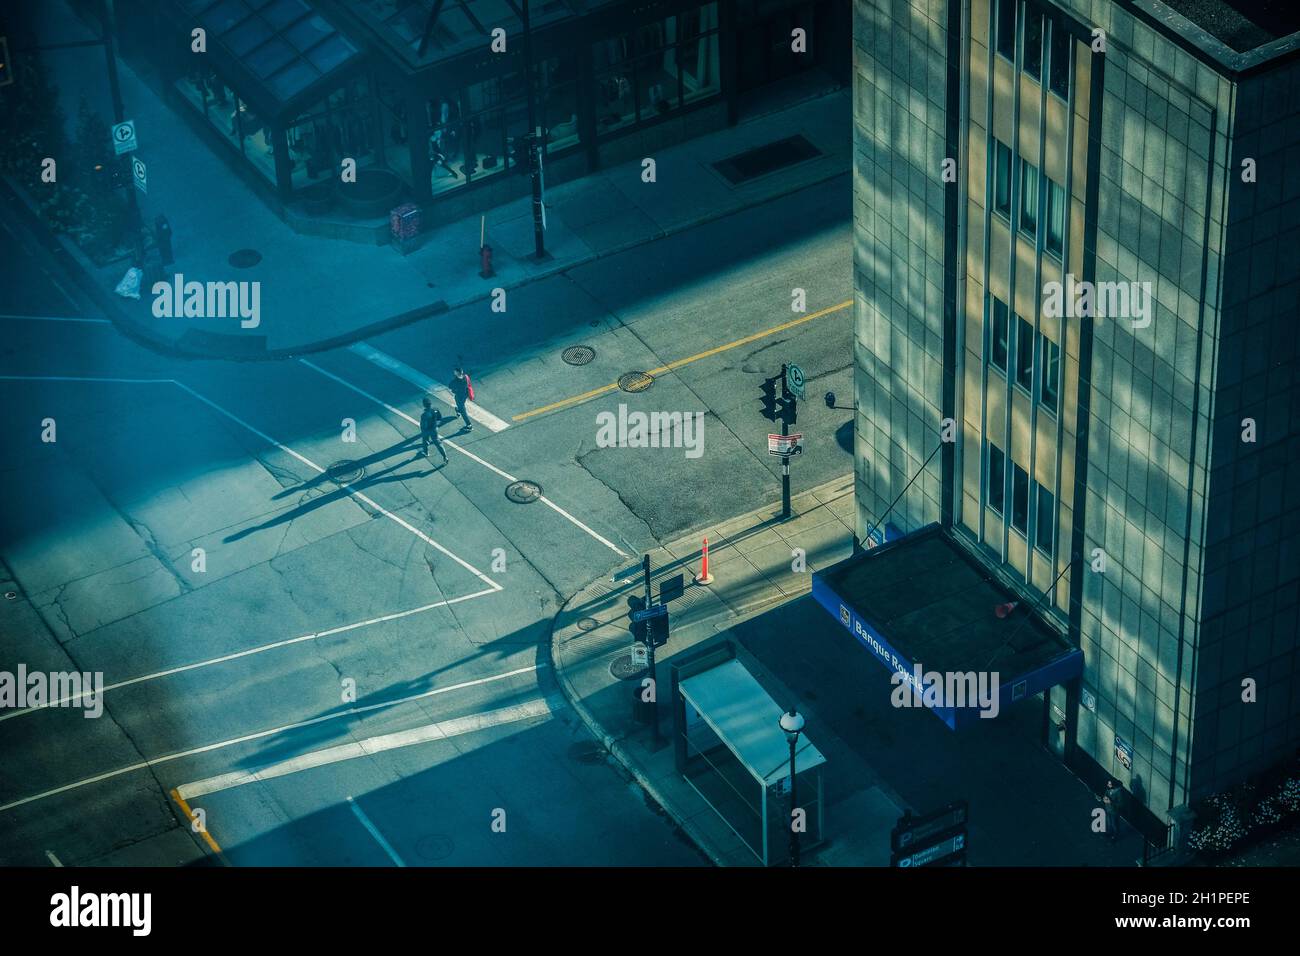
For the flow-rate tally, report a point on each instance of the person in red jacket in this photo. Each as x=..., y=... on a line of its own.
x=463, y=390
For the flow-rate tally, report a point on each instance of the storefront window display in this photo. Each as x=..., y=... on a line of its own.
x=656, y=69
x=341, y=125
x=473, y=130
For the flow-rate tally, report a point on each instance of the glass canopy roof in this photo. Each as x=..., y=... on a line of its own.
x=285, y=45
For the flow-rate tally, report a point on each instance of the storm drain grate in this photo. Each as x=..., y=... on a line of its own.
x=635, y=381
x=244, y=258
x=523, y=492
x=346, y=471
x=766, y=159
x=623, y=668
x=578, y=354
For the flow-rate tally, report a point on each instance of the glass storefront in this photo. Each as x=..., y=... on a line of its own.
x=340, y=125
x=656, y=69
x=364, y=81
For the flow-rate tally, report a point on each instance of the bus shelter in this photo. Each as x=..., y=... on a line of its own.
x=732, y=751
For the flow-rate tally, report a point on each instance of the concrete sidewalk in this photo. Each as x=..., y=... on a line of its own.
x=321, y=292
x=1026, y=808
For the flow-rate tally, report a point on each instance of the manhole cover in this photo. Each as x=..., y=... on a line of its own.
x=244, y=258
x=345, y=471
x=588, y=624
x=587, y=752
x=13, y=596
x=523, y=492
x=434, y=846
x=635, y=381
x=623, y=669
x=578, y=354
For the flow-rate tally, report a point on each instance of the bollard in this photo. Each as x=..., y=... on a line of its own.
x=704, y=577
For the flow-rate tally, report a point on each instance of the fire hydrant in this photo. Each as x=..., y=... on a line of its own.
x=162, y=231
x=485, y=261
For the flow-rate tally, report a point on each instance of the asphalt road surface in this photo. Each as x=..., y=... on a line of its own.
x=327, y=649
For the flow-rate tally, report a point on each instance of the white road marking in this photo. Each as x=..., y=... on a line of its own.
x=284, y=448
x=423, y=382
x=54, y=860
x=207, y=748
x=55, y=318
x=374, y=832
x=248, y=653
x=86, y=378
x=439, y=730
x=468, y=454
x=352, y=491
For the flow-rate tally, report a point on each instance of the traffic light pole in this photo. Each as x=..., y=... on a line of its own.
x=119, y=116
x=535, y=146
x=650, y=656
x=785, y=459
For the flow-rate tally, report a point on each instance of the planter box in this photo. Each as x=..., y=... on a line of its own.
x=375, y=192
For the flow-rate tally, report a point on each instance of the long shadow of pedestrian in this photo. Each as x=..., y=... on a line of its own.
x=362, y=462
x=378, y=478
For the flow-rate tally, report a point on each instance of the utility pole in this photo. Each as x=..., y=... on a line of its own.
x=650, y=655
x=786, y=399
x=119, y=116
x=535, y=144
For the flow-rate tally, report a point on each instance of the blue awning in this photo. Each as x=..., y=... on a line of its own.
x=925, y=604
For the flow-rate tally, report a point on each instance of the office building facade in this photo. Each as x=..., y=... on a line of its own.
x=1061, y=247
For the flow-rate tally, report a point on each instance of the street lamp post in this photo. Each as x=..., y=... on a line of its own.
x=535, y=142
x=792, y=725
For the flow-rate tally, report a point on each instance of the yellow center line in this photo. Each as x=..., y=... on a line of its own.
x=207, y=837
x=671, y=366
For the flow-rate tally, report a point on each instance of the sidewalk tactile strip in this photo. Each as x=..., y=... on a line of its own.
x=623, y=669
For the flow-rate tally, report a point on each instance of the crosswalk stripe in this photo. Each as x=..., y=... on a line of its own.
x=427, y=733
x=423, y=382
x=258, y=735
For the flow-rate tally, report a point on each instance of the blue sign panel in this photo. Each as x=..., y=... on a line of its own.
x=1011, y=687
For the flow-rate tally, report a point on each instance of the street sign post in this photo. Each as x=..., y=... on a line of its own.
x=140, y=174
x=124, y=140
x=794, y=380
x=936, y=839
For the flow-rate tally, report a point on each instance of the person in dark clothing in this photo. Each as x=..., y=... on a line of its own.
x=429, y=421
x=1110, y=801
x=463, y=390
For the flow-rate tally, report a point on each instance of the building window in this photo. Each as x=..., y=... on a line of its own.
x=1055, y=240
x=1006, y=28
x=1028, y=197
x=1044, y=519
x=1058, y=64
x=1024, y=354
x=997, y=489
x=1002, y=179
x=1033, y=41
x=1019, y=499
x=998, y=333
x=656, y=69
x=1049, y=387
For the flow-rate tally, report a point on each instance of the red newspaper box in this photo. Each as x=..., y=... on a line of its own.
x=405, y=221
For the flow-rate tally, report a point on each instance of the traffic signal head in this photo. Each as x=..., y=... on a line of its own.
x=789, y=409
x=659, y=630
x=770, y=399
